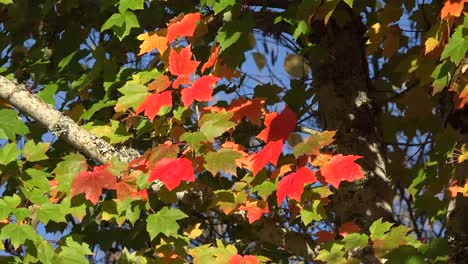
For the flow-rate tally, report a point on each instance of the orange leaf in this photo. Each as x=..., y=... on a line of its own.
x=211, y=60
x=181, y=63
x=278, y=126
x=200, y=90
x=153, y=103
x=247, y=259
x=452, y=8
x=342, y=168
x=92, y=182
x=254, y=212
x=292, y=185
x=185, y=27
x=270, y=153
x=348, y=228
x=159, y=84
x=250, y=109
x=172, y=171
x=152, y=41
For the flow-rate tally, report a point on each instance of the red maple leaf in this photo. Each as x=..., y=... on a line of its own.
x=153, y=103
x=143, y=194
x=124, y=190
x=270, y=153
x=452, y=8
x=341, y=168
x=278, y=126
x=200, y=90
x=92, y=182
x=181, y=63
x=247, y=259
x=211, y=60
x=250, y=109
x=254, y=212
x=184, y=27
x=348, y=228
x=292, y=185
x=172, y=171
x=324, y=236
x=181, y=80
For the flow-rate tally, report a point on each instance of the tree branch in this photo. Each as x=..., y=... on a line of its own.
x=59, y=124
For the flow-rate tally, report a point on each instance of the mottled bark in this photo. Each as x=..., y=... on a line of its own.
x=59, y=124
x=346, y=105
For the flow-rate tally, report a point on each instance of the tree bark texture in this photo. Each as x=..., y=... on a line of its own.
x=59, y=124
x=345, y=105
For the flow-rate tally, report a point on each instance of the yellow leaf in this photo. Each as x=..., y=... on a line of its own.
x=152, y=41
x=193, y=231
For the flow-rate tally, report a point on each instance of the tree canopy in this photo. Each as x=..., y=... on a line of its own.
x=221, y=131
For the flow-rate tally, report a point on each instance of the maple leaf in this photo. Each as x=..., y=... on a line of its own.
x=181, y=63
x=181, y=80
x=270, y=153
x=92, y=182
x=254, y=211
x=452, y=8
x=250, y=109
x=172, y=171
x=211, y=60
x=159, y=84
x=292, y=185
x=143, y=194
x=348, y=228
x=153, y=103
x=124, y=190
x=324, y=236
x=247, y=259
x=184, y=27
x=278, y=126
x=342, y=168
x=152, y=41
x=200, y=90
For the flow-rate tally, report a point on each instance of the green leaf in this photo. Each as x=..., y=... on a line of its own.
x=215, y=124
x=130, y=4
x=312, y=145
x=38, y=180
x=405, y=255
x=355, y=240
x=6, y=2
x=165, y=222
x=379, y=228
x=333, y=254
x=48, y=92
x=264, y=189
x=35, y=152
x=18, y=233
x=10, y=125
x=74, y=252
x=133, y=94
x=54, y=212
x=349, y=2
x=115, y=20
x=131, y=258
x=223, y=160
x=7, y=204
x=131, y=21
x=222, y=5
x=66, y=171
x=301, y=29
x=96, y=107
x=315, y=213
x=9, y=153
x=457, y=46
x=194, y=140
x=442, y=75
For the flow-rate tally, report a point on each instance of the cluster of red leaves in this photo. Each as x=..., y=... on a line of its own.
x=247, y=259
